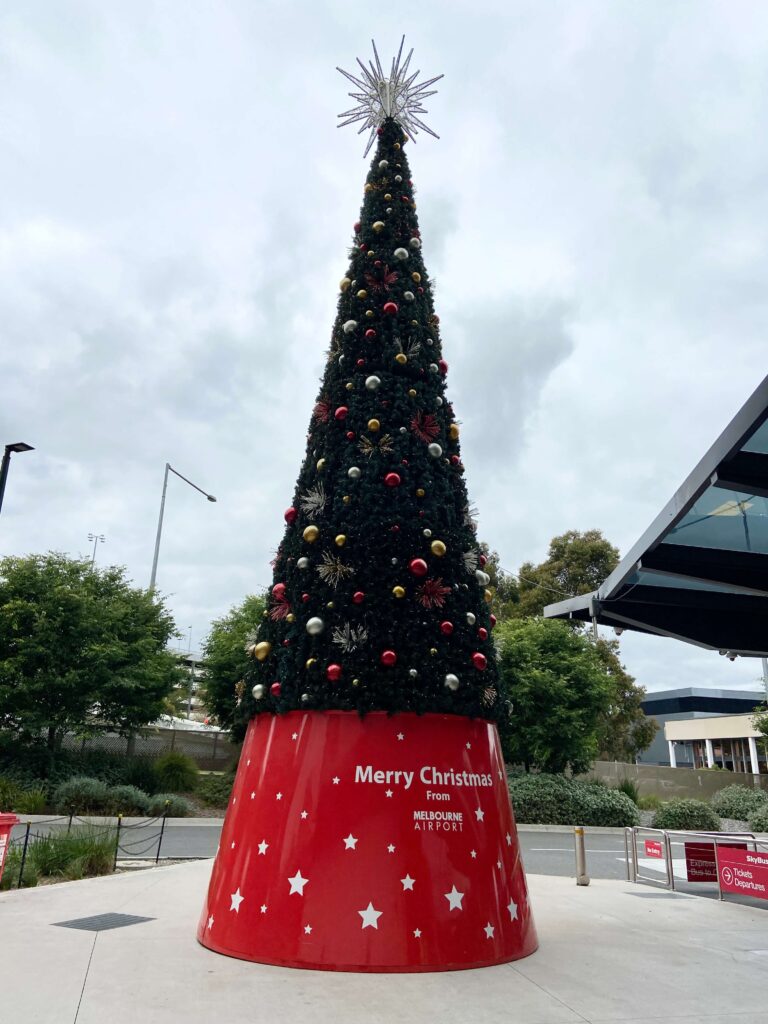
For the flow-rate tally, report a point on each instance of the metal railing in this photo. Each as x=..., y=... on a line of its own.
x=666, y=838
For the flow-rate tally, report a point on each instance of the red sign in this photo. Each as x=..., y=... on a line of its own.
x=385, y=843
x=7, y=821
x=653, y=848
x=744, y=872
x=700, y=859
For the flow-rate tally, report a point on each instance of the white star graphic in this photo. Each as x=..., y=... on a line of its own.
x=210, y=922
x=253, y=796
x=388, y=793
x=509, y=839
x=233, y=845
x=473, y=854
x=498, y=864
x=350, y=843
x=370, y=917
x=336, y=780
x=263, y=908
x=263, y=847
x=401, y=736
x=454, y=898
x=307, y=929
x=417, y=933
x=390, y=848
x=237, y=899
x=479, y=814
x=408, y=882
x=469, y=746
x=248, y=761
x=278, y=796
x=234, y=799
x=304, y=815
x=297, y=883
x=501, y=774
x=488, y=930
x=295, y=736
x=512, y=908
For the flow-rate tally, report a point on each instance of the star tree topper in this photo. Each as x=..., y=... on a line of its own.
x=383, y=96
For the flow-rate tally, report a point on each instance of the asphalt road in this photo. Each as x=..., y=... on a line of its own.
x=544, y=853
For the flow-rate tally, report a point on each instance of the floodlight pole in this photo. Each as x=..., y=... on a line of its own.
x=19, y=446
x=210, y=497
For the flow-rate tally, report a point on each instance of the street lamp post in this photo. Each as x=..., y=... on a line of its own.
x=19, y=446
x=95, y=537
x=210, y=497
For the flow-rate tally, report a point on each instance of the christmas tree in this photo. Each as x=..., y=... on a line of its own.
x=379, y=599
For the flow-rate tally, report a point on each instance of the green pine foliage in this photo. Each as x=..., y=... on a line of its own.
x=378, y=598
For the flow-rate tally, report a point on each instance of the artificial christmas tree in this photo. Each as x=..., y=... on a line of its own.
x=371, y=761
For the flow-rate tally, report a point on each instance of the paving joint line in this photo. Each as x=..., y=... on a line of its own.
x=85, y=979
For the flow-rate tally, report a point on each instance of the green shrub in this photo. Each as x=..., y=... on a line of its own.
x=758, y=820
x=10, y=879
x=31, y=801
x=214, y=790
x=175, y=773
x=629, y=788
x=81, y=853
x=651, y=802
x=556, y=800
x=127, y=800
x=178, y=807
x=9, y=794
x=81, y=795
x=693, y=815
x=140, y=772
x=738, y=802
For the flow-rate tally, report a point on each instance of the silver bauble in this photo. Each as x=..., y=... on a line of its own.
x=403, y=430
x=435, y=450
x=452, y=681
x=433, y=368
x=471, y=618
x=302, y=563
x=400, y=254
x=415, y=243
x=372, y=383
x=389, y=209
x=427, y=533
x=353, y=472
x=482, y=577
x=315, y=626
x=383, y=164
x=398, y=178
x=409, y=296
x=349, y=326
x=258, y=691
x=305, y=698
x=438, y=400
x=412, y=673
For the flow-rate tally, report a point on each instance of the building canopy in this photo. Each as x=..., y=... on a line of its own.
x=699, y=573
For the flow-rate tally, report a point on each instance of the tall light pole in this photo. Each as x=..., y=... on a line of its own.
x=95, y=537
x=19, y=446
x=210, y=497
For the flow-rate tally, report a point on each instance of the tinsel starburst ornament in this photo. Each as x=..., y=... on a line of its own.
x=394, y=95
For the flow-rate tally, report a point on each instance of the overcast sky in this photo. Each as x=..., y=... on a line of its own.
x=176, y=204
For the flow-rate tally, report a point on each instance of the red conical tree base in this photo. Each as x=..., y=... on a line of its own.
x=375, y=844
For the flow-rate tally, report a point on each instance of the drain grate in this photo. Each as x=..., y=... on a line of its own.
x=102, y=922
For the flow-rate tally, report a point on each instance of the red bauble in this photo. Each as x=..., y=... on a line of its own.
x=395, y=527
x=493, y=621
x=388, y=658
x=405, y=462
x=455, y=460
x=377, y=263
x=360, y=363
x=392, y=479
x=350, y=435
x=418, y=566
x=362, y=247
x=390, y=308
x=358, y=597
x=482, y=633
x=446, y=628
x=443, y=366
x=370, y=333
x=356, y=227
x=305, y=598
x=479, y=661
x=278, y=591
x=482, y=559
x=275, y=689
x=290, y=515
x=341, y=412
x=334, y=673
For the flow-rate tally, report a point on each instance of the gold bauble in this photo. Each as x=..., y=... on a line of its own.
x=344, y=283
x=420, y=492
x=437, y=547
x=362, y=294
x=320, y=465
x=310, y=662
x=290, y=617
x=396, y=146
x=330, y=605
x=373, y=426
x=310, y=534
x=345, y=499
x=378, y=225
x=453, y=431
x=398, y=591
x=433, y=651
x=388, y=197
x=488, y=596
x=369, y=313
x=414, y=323
x=370, y=254
x=368, y=187
x=350, y=385
x=355, y=682
x=341, y=540
x=401, y=358
x=262, y=650
x=412, y=393
x=416, y=277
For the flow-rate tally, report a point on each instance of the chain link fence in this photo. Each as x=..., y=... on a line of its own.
x=209, y=749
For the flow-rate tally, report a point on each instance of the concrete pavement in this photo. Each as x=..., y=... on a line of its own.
x=609, y=953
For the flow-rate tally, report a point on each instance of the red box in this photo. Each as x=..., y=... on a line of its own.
x=744, y=872
x=653, y=848
x=7, y=821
